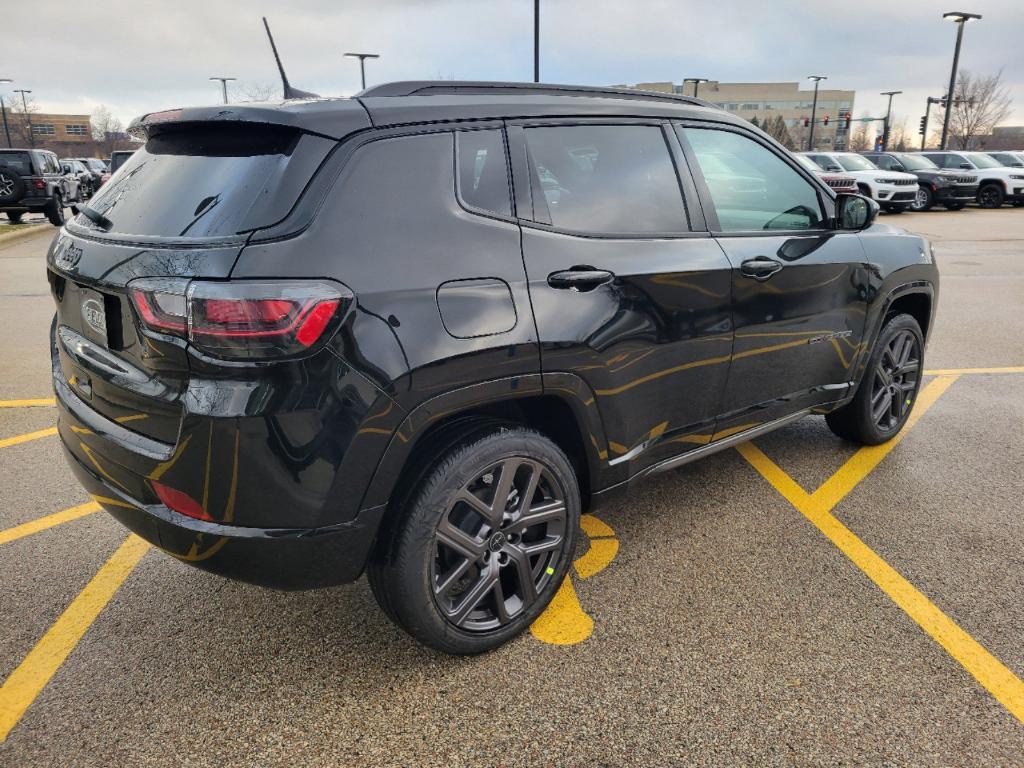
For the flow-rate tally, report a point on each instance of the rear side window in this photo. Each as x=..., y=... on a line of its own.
x=751, y=187
x=197, y=181
x=606, y=179
x=483, y=171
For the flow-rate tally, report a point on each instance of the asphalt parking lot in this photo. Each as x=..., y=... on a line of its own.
x=796, y=601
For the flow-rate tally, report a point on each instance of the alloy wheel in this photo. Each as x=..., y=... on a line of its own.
x=6, y=185
x=498, y=544
x=920, y=200
x=988, y=197
x=895, y=381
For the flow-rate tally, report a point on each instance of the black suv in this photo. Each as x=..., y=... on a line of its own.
x=953, y=189
x=32, y=181
x=422, y=330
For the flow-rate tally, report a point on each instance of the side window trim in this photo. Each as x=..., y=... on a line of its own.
x=527, y=183
x=476, y=211
x=825, y=201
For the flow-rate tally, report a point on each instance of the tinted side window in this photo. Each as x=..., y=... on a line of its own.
x=607, y=179
x=751, y=187
x=882, y=161
x=483, y=171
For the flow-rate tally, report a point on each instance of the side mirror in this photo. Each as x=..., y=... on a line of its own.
x=967, y=166
x=898, y=167
x=855, y=212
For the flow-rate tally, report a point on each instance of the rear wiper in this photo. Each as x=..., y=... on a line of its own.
x=95, y=217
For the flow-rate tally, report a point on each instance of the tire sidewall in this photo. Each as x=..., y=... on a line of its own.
x=997, y=200
x=414, y=602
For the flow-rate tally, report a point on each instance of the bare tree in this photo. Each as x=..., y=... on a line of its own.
x=20, y=122
x=107, y=130
x=778, y=130
x=980, y=103
x=859, y=139
x=899, y=139
x=246, y=91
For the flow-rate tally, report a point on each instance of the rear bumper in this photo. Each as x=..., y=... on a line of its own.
x=281, y=558
x=27, y=205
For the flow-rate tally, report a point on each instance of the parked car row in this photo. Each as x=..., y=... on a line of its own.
x=917, y=181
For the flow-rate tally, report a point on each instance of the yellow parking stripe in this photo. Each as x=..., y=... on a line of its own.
x=8, y=535
x=1003, y=684
x=7, y=442
x=31, y=676
x=957, y=371
x=27, y=403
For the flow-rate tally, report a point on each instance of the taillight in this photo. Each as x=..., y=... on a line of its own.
x=40, y=184
x=242, y=319
x=180, y=501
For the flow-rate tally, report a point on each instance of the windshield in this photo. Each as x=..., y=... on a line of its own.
x=807, y=163
x=982, y=160
x=196, y=182
x=19, y=162
x=917, y=163
x=855, y=163
x=117, y=160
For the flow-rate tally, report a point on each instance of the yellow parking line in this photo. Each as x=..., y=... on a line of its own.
x=1003, y=684
x=31, y=676
x=7, y=442
x=958, y=371
x=8, y=535
x=27, y=403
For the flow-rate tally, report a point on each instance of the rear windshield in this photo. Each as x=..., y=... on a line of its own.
x=19, y=162
x=117, y=160
x=195, y=182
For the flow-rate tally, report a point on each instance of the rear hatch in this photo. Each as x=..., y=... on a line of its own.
x=181, y=208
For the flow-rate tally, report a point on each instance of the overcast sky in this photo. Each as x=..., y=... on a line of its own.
x=143, y=56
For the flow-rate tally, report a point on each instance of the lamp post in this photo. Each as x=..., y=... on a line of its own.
x=888, y=117
x=224, y=85
x=3, y=110
x=536, y=41
x=814, y=108
x=28, y=117
x=696, y=83
x=961, y=18
x=362, y=64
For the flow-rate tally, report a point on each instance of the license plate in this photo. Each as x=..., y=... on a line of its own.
x=94, y=316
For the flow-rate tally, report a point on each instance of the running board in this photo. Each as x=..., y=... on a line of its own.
x=720, y=445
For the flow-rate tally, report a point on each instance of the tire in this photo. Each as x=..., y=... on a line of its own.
x=15, y=216
x=865, y=420
x=459, y=576
x=12, y=186
x=990, y=196
x=895, y=209
x=955, y=206
x=923, y=201
x=55, y=210
x=1018, y=203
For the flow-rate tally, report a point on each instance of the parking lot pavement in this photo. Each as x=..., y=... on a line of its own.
x=798, y=601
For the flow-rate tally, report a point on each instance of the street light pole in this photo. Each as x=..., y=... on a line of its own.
x=28, y=117
x=814, y=108
x=536, y=41
x=362, y=65
x=696, y=83
x=888, y=117
x=224, y=85
x=961, y=18
x=3, y=110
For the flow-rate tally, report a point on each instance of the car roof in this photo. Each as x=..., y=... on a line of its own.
x=426, y=101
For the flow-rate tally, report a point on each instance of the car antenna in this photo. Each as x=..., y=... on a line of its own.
x=289, y=92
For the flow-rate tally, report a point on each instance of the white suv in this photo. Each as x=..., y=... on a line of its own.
x=893, y=190
x=997, y=184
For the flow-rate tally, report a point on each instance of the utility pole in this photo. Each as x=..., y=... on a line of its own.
x=696, y=83
x=3, y=110
x=814, y=108
x=362, y=64
x=960, y=18
x=888, y=117
x=536, y=41
x=28, y=117
x=927, y=115
x=224, y=85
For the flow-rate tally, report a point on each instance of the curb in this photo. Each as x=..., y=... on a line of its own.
x=21, y=231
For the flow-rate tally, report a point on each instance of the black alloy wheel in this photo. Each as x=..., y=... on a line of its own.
x=895, y=381
x=496, y=547
x=990, y=196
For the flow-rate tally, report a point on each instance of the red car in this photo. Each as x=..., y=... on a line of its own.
x=838, y=182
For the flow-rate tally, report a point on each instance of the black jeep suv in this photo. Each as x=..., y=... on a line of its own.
x=953, y=189
x=32, y=181
x=420, y=331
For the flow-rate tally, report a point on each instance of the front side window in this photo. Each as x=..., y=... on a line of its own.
x=606, y=179
x=884, y=162
x=751, y=187
x=483, y=171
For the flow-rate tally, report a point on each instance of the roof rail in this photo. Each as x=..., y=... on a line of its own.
x=495, y=88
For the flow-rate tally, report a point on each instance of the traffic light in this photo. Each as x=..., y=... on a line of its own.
x=825, y=120
x=924, y=122
x=807, y=121
x=848, y=119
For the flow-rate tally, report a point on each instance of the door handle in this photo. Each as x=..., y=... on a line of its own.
x=579, y=278
x=760, y=267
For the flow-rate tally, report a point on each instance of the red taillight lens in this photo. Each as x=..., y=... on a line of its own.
x=243, y=319
x=40, y=184
x=180, y=501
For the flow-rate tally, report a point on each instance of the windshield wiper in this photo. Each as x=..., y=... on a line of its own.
x=96, y=217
